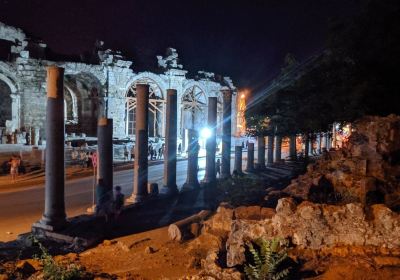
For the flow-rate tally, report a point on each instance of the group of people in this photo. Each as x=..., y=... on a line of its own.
x=82, y=157
x=154, y=153
x=126, y=153
x=108, y=204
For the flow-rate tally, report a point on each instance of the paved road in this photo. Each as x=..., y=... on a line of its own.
x=18, y=210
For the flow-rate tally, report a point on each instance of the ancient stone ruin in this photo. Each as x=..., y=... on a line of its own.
x=366, y=170
x=100, y=84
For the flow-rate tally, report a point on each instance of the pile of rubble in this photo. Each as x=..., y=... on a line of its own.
x=324, y=229
x=366, y=170
x=346, y=204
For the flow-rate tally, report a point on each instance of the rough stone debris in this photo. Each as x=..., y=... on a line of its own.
x=103, y=87
x=367, y=170
x=308, y=225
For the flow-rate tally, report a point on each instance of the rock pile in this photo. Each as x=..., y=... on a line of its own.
x=314, y=226
x=366, y=170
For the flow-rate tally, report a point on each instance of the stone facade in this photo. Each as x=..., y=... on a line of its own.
x=105, y=88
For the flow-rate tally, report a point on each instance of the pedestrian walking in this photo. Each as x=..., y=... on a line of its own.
x=218, y=167
x=160, y=152
x=89, y=159
x=133, y=153
x=126, y=154
x=179, y=148
x=82, y=158
x=151, y=154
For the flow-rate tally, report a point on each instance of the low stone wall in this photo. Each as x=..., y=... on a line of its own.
x=308, y=226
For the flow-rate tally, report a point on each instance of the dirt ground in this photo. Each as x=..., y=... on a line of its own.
x=146, y=255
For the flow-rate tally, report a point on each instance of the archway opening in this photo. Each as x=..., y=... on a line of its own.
x=83, y=105
x=5, y=104
x=193, y=112
x=156, y=109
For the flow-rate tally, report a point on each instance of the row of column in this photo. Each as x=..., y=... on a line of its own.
x=54, y=216
x=275, y=151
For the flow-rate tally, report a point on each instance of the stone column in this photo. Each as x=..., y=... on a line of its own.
x=250, y=158
x=292, y=147
x=35, y=134
x=334, y=136
x=54, y=209
x=306, y=145
x=319, y=139
x=211, y=144
x=105, y=151
x=171, y=139
x=238, y=159
x=278, y=148
x=327, y=146
x=323, y=141
x=261, y=153
x=270, y=158
x=141, y=146
x=226, y=137
x=192, y=181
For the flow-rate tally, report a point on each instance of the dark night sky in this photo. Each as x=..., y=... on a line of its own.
x=246, y=40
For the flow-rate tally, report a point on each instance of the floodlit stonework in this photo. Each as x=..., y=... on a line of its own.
x=106, y=87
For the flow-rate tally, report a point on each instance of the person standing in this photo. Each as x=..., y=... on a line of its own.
x=118, y=202
x=103, y=200
x=82, y=158
x=126, y=154
x=179, y=148
x=14, y=166
x=133, y=153
x=218, y=167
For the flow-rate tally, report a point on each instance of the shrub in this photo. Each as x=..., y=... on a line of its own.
x=55, y=271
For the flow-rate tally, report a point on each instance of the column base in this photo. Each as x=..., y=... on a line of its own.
x=225, y=176
x=46, y=224
x=208, y=181
x=261, y=167
x=250, y=170
x=136, y=198
x=170, y=191
x=189, y=186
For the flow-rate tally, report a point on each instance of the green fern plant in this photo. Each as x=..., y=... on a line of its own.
x=267, y=259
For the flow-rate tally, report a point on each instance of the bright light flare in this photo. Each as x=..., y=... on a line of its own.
x=205, y=133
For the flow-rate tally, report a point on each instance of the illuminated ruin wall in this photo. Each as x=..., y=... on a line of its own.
x=106, y=88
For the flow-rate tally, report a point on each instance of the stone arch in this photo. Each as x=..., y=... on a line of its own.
x=193, y=106
x=84, y=100
x=9, y=100
x=70, y=106
x=5, y=103
x=156, y=105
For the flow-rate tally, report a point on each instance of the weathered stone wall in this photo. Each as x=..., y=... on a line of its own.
x=308, y=226
x=111, y=77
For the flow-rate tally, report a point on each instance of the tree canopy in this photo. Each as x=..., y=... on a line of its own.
x=355, y=76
